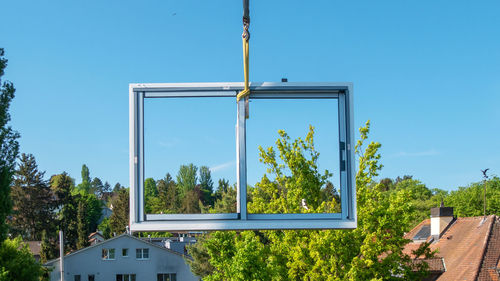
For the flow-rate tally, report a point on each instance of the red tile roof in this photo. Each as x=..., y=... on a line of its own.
x=470, y=248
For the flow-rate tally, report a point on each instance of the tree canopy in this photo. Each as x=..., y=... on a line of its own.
x=372, y=251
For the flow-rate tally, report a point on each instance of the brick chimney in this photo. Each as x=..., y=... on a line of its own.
x=441, y=217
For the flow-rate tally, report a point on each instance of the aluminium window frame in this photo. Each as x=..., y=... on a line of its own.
x=241, y=220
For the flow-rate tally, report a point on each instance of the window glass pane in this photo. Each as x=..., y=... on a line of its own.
x=159, y=277
x=145, y=253
x=91, y=277
x=77, y=277
x=173, y=277
x=111, y=253
x=138, y=253
x=296, y=176
x=104, y=253
x=132, y=277
x=125, y=252
x=119, y=277
x=193, y=140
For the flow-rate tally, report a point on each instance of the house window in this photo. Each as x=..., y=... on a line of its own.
x=142, y=254
x=78, y=277
x=167, y=277
x=91, y=277
x=125, y=277
x=124, y=252
x=108, y=254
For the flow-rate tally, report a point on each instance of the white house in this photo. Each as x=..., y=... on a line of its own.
x=123, y=258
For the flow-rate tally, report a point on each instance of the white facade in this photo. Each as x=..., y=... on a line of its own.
x=141, y=261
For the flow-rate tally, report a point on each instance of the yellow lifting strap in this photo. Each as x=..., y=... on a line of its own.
x=246, y=38
x=246, y=91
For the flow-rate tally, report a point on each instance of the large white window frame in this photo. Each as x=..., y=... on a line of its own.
x=241, y=220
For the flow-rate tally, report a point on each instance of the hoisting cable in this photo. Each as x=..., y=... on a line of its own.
x=245, y=37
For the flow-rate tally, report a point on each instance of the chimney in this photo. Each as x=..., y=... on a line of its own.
x=441, y=217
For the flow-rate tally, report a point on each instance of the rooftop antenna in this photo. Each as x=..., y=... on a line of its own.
x=485, y=178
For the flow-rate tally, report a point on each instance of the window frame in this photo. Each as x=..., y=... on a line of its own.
x=108, y=251
x=143, y=250
x=241, y=220
x=170, y=275
x=129, y=275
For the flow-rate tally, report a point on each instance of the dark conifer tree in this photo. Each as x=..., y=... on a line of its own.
x=119, y=219
x=33, y=201
x=82, y=227
x=9, y=148
x=62, y=185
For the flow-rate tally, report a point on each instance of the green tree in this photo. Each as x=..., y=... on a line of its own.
x=168, y=194
x=186, y=179
x=48, y=248
x=422, y=198
x=207, y=186
x=62, y=185
x=119, y=219
x=93, y=210
x=82, y=226
x=85, y=174
x=17, y=263
x=150, y=193
x=9, y=147
x=105, y=227
x=200, y=261
x=85, y=185
x=33, y=201
x=117, y=187
x=226, y=203
x=468, y=201
x=96, y=187
x=372, y=251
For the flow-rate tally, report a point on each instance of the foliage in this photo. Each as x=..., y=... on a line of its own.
x=9, y=147
x=85, y=185
x=373, y=251
x=48, y=248
x=17, y=262
x=296, y=178
x=119, y=219
x=186, y=179
x=199, y=262
x=207, y=186
x=82, y=227
x=150, y=194
x=62, y=185
x=468, y=201
x=33, y=201
x=105, y=227
x=226, y=203
x=422, y=198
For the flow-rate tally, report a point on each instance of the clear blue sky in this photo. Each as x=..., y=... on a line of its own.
x=426, y=73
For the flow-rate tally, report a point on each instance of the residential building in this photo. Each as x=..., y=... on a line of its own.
x=177, y=244
x=123, y=258
x=35, y=248
x=96, y=237
x=467, y=248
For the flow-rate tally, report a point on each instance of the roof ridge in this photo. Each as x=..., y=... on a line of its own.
x=113, y=238
x=485, y=245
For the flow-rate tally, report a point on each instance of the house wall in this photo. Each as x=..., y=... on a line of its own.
x=90, y=261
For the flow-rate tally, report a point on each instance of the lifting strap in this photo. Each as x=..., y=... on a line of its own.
x=246, y=38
